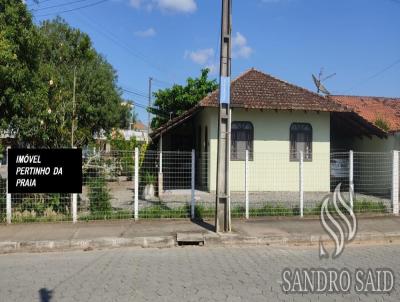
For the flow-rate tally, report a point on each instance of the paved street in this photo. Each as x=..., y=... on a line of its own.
x=178, y=274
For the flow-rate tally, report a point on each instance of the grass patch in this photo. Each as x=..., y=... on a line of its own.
x=28, y=217
x=162, y=211
x=113, y=215
x=359, y=206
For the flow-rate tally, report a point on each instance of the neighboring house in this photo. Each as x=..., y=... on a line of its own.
x=383, y=112
x=376, y=156
x=137, y=130
x=274, y=120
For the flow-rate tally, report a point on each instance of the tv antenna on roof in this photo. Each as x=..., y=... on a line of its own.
x=318, y=81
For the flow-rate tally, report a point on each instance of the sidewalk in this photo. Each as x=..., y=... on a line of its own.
x=268, y=231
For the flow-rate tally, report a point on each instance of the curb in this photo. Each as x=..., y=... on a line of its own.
x=7, y=247
x=85, y=244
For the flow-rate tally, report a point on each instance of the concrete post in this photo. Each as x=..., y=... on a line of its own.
x=301, y=183
x=160, y=172
x=8, y=208
x=193, y=201
x=395, y=183
x=160, y=176
x=8, y=197
x=351, y=178
x=74, y=208
x=246, y=183
x=136, y=181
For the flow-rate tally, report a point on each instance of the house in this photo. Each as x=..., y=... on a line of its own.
x=376, y=152
x=274, y=120
x=137, y=130
x=383, y=112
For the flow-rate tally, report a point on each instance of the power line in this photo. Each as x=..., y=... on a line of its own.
x=42, y=1
x=374, y=75
x=162, y=82
x=140, y=92
x=105, y=33
x=73, y=9
x=135, y=93
x=58, y=5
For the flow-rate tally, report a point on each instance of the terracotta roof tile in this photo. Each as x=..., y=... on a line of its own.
x=258, y=90
x=372, y=108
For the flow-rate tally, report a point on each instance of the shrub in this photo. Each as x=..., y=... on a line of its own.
x=149, y=179
x=99, y=197
x=382, y=123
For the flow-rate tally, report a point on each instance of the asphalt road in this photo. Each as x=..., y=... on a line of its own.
x=180, y=274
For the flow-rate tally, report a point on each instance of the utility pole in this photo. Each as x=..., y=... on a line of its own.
x=73, y=110
x=222, y=206
x=148, y=112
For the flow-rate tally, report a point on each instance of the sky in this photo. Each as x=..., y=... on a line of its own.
x=171, y=40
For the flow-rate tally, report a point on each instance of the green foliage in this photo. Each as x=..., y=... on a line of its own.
x=114, y=215
x=149, y=179
x=180, y=98
x=39, y=203
x=162, y=211
x=126, y=116
x=99, y=197
x=124, y=153
x=98, y=99
x=36, y=82
x=119, y=143
x=382, y=123
x=21, y=90
x=359, y=206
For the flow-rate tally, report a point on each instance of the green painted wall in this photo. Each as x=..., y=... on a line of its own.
x=377, y=144
x=271, y=169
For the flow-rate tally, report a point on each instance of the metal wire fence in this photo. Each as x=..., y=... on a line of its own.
x=174, y=185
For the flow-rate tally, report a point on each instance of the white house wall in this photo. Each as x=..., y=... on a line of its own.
x=271, y=168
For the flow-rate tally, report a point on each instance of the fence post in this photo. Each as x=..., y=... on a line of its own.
x=160, y=176
x=301, y=183
x=246, y=183
x=74, y=208
x=8, y=197
x=351, y=177
x=136, y=181
x=193, y=182
x=395, y=183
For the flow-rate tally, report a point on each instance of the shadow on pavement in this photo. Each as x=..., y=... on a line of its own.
x=45, y=295
x=203, y=224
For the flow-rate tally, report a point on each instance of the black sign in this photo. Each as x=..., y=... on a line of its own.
x=45, y=171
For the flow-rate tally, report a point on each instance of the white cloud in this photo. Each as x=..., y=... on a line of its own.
x=135, y=3
x=184, y=6
x=170, y=6
x=201, y=56
x=240, y=48
x=147, y=33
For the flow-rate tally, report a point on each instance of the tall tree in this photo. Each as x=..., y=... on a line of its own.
x=174, y=101
x=127, y=116
x=37, y=67
x=21, y=89
x=98, y=99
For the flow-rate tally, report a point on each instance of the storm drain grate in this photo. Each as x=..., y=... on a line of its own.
x=190, y=239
